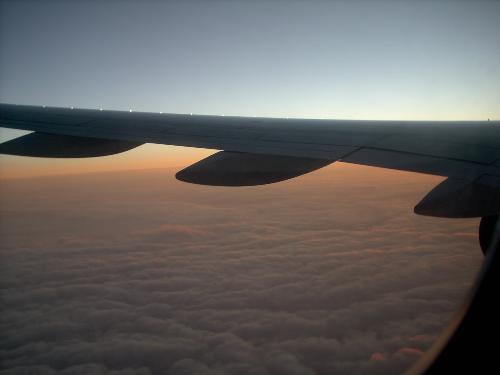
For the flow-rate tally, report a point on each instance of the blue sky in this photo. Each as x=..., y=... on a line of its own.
x=389, y=60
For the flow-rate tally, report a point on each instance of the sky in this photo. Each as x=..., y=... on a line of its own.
x=110, y=265
x=367, y=60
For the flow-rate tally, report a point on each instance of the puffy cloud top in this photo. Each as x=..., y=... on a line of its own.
x=136, y=273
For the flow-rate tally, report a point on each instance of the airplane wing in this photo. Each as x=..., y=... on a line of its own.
x=258, y=150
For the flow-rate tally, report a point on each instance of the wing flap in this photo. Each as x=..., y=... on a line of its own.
x=443, y=148
x=64, y=146
x=416, y=163
x=244, y=169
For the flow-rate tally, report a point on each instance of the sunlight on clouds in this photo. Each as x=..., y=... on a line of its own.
x=134, y=272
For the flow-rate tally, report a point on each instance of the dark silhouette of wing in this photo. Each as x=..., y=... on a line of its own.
x=266, y=150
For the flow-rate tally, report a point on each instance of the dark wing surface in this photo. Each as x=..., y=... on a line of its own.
x=260, y=150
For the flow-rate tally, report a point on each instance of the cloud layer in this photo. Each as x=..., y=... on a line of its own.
x=136, y=273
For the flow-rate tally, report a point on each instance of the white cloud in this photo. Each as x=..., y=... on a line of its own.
x=220, y=281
